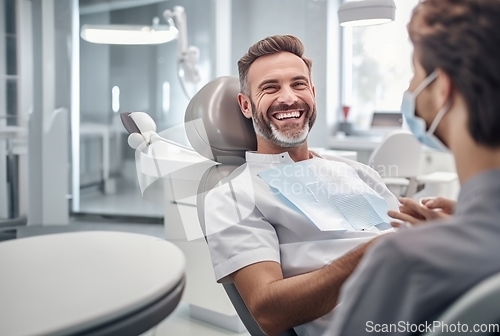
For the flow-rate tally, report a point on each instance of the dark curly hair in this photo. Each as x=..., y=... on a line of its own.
x=462, y=38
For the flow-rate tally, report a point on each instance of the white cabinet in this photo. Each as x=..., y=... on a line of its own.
x=208, y=299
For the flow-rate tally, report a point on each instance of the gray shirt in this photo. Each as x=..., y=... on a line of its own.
x=413, y=276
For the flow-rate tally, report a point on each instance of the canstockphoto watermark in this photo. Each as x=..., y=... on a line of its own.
x=432, y=326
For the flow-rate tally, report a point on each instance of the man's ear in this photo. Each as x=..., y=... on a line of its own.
x=245, y=106
x=314, y=91
x=444, y=88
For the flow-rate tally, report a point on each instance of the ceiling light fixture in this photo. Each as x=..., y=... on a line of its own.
x=366, y=12
x=187, y=56
x=129, y=34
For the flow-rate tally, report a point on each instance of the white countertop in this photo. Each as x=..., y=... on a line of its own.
x=65, y=283
x=328, y=153
x=354, y=142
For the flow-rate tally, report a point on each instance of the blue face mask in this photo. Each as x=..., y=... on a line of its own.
x=416, y=124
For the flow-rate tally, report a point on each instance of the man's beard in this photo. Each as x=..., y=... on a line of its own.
x=286, y=139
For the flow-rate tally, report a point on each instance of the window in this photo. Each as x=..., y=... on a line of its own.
x=115, y=99
x=8, y=71
x=377, y=66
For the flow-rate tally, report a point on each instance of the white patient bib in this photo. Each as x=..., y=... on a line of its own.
x=330, y=193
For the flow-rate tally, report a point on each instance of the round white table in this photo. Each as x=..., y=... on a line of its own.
x=88, y=283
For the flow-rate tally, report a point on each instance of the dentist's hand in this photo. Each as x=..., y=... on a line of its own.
x=416, y=213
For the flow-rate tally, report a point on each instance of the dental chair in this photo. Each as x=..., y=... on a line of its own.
x=399, y=150
x=479, y=305
x=217, y=130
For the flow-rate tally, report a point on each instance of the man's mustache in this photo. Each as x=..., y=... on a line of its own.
x=286, y=107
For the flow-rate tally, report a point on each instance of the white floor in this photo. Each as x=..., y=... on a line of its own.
x=126, y=201
x=180, y=323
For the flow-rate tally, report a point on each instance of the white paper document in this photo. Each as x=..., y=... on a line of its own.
x=330, y=193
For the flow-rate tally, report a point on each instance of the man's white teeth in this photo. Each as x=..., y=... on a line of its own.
x=281, y=116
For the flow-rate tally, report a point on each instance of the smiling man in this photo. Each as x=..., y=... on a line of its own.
x=282, y=107
x=287, y=266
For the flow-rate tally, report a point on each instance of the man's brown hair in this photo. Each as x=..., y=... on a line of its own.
x=269, y=46
x=462, y=38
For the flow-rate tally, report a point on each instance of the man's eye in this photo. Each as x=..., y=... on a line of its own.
x=269, y=87
x=300, y=84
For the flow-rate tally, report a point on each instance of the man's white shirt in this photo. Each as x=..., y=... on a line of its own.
x=247, y=222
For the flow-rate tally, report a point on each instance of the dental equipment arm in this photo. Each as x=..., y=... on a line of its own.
x=142, y=129
x=187, y=56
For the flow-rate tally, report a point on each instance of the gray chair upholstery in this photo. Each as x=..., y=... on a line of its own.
x=479, y=305
x=224, y=134
x=218, y=130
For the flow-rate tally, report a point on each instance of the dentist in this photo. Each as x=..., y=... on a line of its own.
x=408, y=279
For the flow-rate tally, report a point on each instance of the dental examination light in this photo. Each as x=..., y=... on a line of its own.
x=187, y=56
x=366, y=12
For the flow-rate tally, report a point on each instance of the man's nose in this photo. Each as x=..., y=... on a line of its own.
x=287, y=96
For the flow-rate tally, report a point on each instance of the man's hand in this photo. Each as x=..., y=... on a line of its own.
x=428, y=209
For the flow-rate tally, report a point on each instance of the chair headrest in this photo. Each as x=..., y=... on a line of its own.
x=215, y=126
